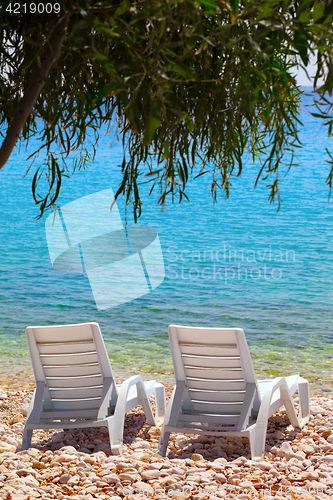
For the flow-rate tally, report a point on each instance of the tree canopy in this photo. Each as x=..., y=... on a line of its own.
x=191, y=84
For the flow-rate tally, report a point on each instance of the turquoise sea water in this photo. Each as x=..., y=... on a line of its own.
x=235, y=263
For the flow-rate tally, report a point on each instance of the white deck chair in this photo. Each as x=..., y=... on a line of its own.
x=217, y=392
x=75, y=386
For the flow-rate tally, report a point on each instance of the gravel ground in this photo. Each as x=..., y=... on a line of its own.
x=78, y=465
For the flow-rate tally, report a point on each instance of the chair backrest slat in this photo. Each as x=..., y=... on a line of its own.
x=211, y=361
x=203, y=373
x=70, y=414
x=48, y=348
x=69, y=359
x=208, y=350
x=64, y=333
x=76, y=393
x=77, y=404
x=209, y=419
x=79, y=370
x=217, y=407
x=74, y=382
x=231, y=385
x=209, y=395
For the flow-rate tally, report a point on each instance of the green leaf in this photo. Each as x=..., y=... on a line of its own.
x=305, y=16
x=209, y=6
x=153, y=123
x=99, y=56
x=123, y=7
x=182, y=70
x=301, y=45
x=34, y=185
x=112, y=88
x=104, y=29
x=318, y=11
x=122, y=185
x=154, y=172
x=189, y=123
x=234, y=6
x=165, y=151
x=201, y=173
x=185, y=195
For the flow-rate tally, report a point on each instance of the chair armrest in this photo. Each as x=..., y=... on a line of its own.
x=264, y=413
x=120, y=410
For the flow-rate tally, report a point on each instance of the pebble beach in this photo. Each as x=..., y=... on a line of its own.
x=78, y=465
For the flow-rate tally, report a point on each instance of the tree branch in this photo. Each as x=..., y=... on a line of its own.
x=38, y=80
x=105, y=8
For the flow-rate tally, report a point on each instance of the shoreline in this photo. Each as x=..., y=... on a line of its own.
x=78, y=465
x=24, y=380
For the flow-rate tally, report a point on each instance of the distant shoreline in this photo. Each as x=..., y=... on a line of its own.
x=25, y=380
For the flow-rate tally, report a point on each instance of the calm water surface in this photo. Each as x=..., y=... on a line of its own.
x=235, y=263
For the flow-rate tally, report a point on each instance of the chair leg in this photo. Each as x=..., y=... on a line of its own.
x=27, y=436
x=304, y=401
x=116, y=430
x=145, y=404
x=258, y=441
x=289, y=405
x=163, y=444
x=257, y=444
x=171, y=416
x=258, y=448
x=159, y=391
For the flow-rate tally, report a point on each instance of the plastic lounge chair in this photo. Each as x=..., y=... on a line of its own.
x=217, y=392
x=75, y=386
